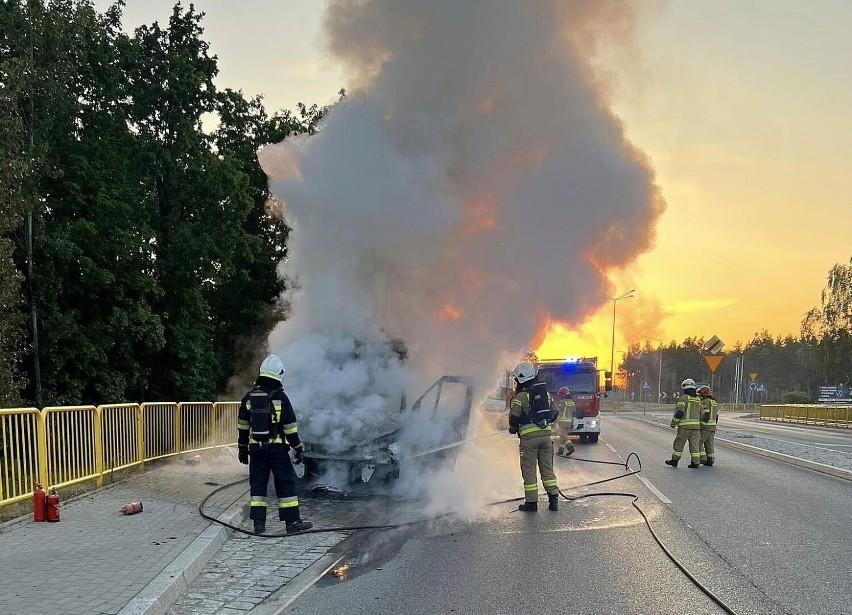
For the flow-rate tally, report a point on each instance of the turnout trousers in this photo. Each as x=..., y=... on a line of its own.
x=707, y=447
x=263, y=459
x=683, y=436
x=536, y=451
x=563, y=436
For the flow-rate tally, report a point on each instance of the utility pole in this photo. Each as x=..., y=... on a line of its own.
x=626, y=295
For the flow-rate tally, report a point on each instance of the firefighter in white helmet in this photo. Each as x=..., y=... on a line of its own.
x=687, y=420
x=531, y=415
x=709, y=419
x=266, y=430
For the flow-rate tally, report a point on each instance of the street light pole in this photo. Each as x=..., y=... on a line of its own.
x=660, y=372
x=612, y=349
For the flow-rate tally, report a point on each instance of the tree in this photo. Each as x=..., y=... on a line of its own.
x=13, y=206
x=91, y=258
x=827, y=329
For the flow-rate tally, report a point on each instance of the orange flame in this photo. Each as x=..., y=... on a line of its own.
x=341, y=571
x=448, y=312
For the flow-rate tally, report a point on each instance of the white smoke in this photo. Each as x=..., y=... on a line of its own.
x=471, y=188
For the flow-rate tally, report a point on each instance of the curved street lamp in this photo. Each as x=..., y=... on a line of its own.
x=612, y=349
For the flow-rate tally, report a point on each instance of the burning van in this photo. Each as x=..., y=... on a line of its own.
x=419, y=433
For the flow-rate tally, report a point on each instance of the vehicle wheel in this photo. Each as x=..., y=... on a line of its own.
x=593, y=437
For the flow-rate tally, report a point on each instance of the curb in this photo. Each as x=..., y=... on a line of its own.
x=802, y=463
x=159, y=595
x=290, y=592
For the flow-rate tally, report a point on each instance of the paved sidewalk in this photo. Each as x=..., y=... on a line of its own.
x=97, y=560
x=169, y=559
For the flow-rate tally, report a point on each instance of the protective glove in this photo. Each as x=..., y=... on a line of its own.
x=705, y=417
x=679, y=414
x=513, y=429
x=242, y=455
x=298, y=455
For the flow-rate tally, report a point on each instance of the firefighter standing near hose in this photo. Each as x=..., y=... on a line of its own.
x=709, y=418
x=565, y=420
x=687, y=419
x=531, y=414
x=266, y=430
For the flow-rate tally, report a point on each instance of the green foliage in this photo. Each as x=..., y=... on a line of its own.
x=12, y=210
x=795, y=397
x=154, y=256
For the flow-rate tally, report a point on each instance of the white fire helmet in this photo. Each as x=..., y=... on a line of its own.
x=524, y=372
x=272, y=367
x=689, y=383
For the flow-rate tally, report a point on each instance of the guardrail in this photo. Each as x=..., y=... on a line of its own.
x=60, y=446
x=811, y=414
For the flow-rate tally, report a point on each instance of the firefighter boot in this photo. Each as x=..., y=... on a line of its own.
x=694, y=465
x=560, y=450
x=709, y=463
x=554, y=501
x=294, y=527
x=671, y=462
x=259, y=526
x=569, y=448
x=529, y=507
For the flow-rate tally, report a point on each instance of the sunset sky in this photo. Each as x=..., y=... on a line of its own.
x=742, y=107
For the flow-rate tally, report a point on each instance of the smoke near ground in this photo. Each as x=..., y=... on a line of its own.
x=471, y=188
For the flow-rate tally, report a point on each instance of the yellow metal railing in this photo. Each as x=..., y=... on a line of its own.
x=60, y=446
x=838, y=416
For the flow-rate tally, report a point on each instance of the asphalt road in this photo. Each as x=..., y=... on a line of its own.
x=829, y=438
x=765, y=537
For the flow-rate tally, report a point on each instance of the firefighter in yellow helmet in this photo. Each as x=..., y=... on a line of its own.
x=531, y=414
x=709, y=419
x=687, y=419
x=565, y=420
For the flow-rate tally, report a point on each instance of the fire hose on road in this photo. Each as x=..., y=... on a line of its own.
x=630, y=472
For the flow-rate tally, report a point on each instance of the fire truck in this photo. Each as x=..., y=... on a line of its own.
x=581, y=377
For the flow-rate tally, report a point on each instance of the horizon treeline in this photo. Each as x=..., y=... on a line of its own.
x=790, y=369
x=138, y=258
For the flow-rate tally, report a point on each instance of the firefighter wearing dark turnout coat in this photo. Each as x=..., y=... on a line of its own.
x=266, y=430
x=687, y=420
x=531, y=415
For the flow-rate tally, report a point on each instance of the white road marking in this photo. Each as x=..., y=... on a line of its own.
x=654, y=490
x=610, y=447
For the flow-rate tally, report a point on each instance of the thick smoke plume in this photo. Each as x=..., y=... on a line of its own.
x=472, y=188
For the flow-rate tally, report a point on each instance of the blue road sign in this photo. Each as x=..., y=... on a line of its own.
x=753, y=386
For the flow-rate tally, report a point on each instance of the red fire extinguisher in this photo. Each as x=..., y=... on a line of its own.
x=131, y=509
x=39, y=503
x=53, y=505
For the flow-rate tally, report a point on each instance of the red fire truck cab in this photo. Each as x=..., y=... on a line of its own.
x=581, y=377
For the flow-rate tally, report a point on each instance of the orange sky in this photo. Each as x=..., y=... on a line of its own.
x=743, y=110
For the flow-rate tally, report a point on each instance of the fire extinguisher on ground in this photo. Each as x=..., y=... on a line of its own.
x=53, y=505
x=39, y=503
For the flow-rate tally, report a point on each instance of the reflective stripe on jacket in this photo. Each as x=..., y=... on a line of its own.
x=690, y=405
x=566, y=412
x=520, y=409
x=708, y=404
